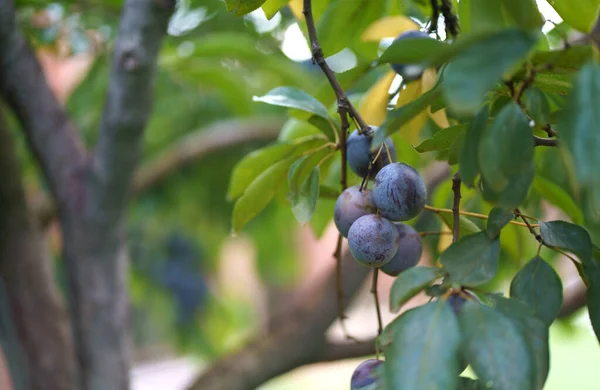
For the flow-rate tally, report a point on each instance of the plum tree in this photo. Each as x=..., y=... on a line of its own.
x=351, y=205
x=373, y=240
x=399, y=192
x=359, y=155
x=366, y=376
x=409, y=252
x=410, y=72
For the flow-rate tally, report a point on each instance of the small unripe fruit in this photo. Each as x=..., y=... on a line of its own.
x=399, y=192
x=409, y=252
x=351, y=205
x=373, y=240
x=367, y=376
x=358, y=154
x=410, y=72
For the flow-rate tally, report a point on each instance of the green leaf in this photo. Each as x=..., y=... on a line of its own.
x=294, y=98
x=466, y=226
x=486, y=15
x=412, y=51
x=480, y=66
x=515, y=191
x=258, y=194
x=524, y=13
x=495, y=348
x=540, y=287
x=569, y=237
x=537, y=106
x=271, y=7
x=581, y=17
x=425, y=347
x=465, y=383
x=441, y=140
x=559, y=197
x=564, y=60
x=305, y=202
x=409, y=283
x=472, y=260
x=243, y=7
x=328, y=192
x=254, y=163
x=580, y=139
x=469, y=160
x=341, y=25
x=506, y=147
x=535, y=333
x=303, y=168
x=498, y=218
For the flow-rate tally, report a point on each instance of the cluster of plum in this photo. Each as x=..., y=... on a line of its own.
x=371, y=219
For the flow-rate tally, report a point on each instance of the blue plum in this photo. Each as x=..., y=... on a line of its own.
x=358, y=154
x=373, y=240
x=367, y=376
x=351, y=205
x=409, y=251
x=399, y=192
x=410, y=72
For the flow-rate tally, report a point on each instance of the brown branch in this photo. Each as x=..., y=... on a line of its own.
x=539, y=141
x=50, y=133
x=338, y=351
x=319, y=58
x=456, y=207
x=574, y=299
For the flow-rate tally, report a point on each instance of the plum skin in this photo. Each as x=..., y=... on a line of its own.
x=351, y=205
x=409, y=251
x=373, y=240
x=410, y=72
x=358, y=154
x=399, y=192
x=365, y=375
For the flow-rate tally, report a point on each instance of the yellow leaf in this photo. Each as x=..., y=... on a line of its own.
x=428, y=80
x=373, y=107
x=388, y=27
x=296, y=6
x=411, y=130
x=445, y=239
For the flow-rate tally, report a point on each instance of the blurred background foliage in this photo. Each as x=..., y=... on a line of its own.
x=212, y=65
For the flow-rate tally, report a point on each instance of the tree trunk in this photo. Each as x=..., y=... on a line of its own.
x=25, y=267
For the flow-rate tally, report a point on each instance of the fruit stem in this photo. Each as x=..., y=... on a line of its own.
x=376, y=297
x=439, y=210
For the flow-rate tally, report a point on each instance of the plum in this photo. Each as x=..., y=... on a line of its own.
x=358, y=154
x=399, y=192
x=366, y=375
x=410, y=72
x=373, y=240
x=351, y=205
x=409, y=251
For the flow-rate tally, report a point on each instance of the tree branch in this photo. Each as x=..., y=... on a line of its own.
x=50, y=133
x=539, y=141
x=456, y=207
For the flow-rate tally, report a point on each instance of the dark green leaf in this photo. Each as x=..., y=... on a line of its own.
x=472, y=260
x=412, y=51
x=480, y=66
x=564, y=60
x=514, y=193
x=243, y=7
x=537, y=106
x=486, y=15
x=253, y=164
x=294, y=98
x=569, y=237
x=409, y=283
x=259, y=193
x=580, y=140
x=305, y=202
x=524, y=13
x=424, y=350
x=538, y=285
x=495, y=348
x=559, y=197
x=456, y=148
x=535, y=333
x=468, y=383
x=498, y=218
x=506, y=147
x=469, y=160
x=441, y=140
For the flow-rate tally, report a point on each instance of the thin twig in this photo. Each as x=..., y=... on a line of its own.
x=539, y=141
x=425, y=234
x=439, y=210
x=537, y=236
x=549, y=130
x=456, y=206
x=319, y=58
x=376, y=297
